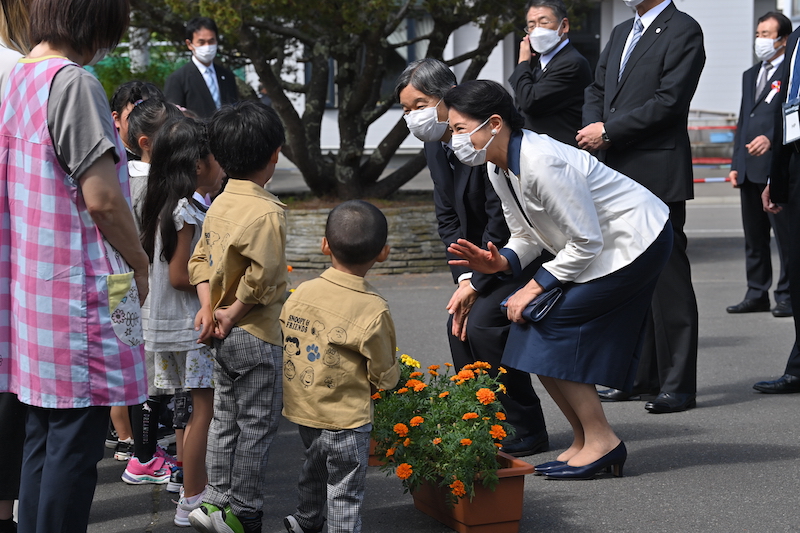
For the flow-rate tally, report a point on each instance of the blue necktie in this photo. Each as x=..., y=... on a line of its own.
x=211, y=81
x=637, y=34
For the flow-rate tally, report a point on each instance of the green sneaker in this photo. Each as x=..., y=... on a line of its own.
x=209, y=518
x=226, y=522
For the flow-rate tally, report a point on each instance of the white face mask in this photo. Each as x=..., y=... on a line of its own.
x=206, y=53
x=424, y=124
x=544, y=39
x=765, y=48
x=632, y=3
x=98, y=56
x=466, y=152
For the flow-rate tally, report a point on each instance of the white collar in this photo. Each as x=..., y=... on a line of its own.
x=651, y=15
x=205, y=200
x=545, y=58
x=203, y=68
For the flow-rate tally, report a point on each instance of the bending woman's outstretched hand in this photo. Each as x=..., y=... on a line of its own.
x=486, y=261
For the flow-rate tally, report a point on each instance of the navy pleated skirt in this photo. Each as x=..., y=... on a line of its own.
x=594, y=333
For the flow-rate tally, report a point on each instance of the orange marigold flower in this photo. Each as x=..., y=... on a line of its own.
x=407, y=443
x=376, y=396
x=485, y=396
x=466, y=442
x=469, y=416
x=404, y=471
x=498, y=444
x=444, y=394
x=434, y=367
x=458, y=488
x=497, y=432
x=437, y=440
x=503, y=370
x=390, y=452
x=502, y=388
x=470, y=366
x=401, y=429
x=401, y=391
x=433, y=372
x=485, y=418
x=416, y=384
x=500, y=416
x=417, y=420
x=415, y=374
x=482, y=364
x=448, y=365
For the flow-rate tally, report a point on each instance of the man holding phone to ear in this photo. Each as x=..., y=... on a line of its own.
x=551, y=75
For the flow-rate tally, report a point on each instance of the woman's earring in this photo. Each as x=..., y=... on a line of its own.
x=494, y=132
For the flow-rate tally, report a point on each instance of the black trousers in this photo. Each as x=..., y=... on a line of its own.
x=12, y=438
x=487, y=332
x=59, y=468
x=793, y=212
x=758, y=256
x=669, y=354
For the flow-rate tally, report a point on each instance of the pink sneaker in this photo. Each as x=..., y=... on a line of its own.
x=169, y=460
x=153, y=471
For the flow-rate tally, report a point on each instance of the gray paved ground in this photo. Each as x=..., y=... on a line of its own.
x=729, y=465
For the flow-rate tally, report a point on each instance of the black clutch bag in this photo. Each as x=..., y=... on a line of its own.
x=539, y=307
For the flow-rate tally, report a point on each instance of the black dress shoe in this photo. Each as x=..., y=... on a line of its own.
x=671, y=402
x=783, y=308
x=530, y=445
x=786, y=384
x=749, y=306
x=616, y=395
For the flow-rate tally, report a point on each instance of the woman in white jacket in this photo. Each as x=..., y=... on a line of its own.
x=610, y=237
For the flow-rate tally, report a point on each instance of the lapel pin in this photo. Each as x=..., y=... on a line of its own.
x=658, y=30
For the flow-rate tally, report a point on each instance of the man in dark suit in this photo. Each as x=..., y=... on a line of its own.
x=636, y=116
x=201, y=85
x=551, y=75
x=468, y=208
x=750, y=169
x=784, y=188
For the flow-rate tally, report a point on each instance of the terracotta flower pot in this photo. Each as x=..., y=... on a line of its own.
x=497, y=511
x=374, y=460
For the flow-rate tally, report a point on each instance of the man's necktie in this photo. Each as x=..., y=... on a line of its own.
x=211, y=81
x=762, y=80
x=638, y=27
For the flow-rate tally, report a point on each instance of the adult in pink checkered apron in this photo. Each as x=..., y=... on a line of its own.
x=72, y=271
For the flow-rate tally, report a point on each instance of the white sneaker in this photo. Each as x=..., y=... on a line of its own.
x=186, y=506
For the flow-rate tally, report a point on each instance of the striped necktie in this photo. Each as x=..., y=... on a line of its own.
x=211, y=81
x=638, y=27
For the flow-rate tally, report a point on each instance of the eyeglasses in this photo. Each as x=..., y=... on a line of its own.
x=533, y=25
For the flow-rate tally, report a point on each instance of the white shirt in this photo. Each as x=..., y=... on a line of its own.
x=206, y=69
x=775, y=64
x=592, y=218
x=545, y=58
x=647, y=19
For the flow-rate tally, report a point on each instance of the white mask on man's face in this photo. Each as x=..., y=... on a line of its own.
x=544, y=39
x=424, y=124
x=206, y=53
x=464, y=149
x=632, y=3
x=764, y=48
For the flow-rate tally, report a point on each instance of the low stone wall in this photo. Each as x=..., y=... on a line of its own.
x=413, y=236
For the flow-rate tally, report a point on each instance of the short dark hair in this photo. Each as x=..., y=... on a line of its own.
x=558, y=7
x=199, y=23
x=146, y=118
x=243, y=137
x=480, y=99
x=356, y=232
x=131, y=92
x=428, y=75
x=784, y=24
x=84, y=25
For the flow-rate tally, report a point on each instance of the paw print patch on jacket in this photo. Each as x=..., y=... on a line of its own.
x=313, y=352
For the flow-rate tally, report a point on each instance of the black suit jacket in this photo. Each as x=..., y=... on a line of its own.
x=756, y=117
x=466, y=208
x=186, y=87
x=779, y=170
x=646, y=112
x=551, y=99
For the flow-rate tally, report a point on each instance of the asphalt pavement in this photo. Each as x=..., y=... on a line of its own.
x=729, y=465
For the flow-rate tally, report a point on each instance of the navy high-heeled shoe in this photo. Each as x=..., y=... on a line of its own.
x=542, y=469
x=612, y=462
